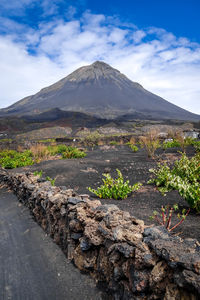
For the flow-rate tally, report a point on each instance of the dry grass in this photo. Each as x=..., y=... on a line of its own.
x=39, y=152
x=150, y=142
x=20, y=148
x=132, y=141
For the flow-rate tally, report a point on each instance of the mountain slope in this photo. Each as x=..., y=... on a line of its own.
x=100, y=90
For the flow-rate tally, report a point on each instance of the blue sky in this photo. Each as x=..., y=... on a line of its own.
x=156, y=43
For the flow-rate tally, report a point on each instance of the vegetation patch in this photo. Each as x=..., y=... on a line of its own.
x=150, y=142
x=183, y=176
x=114, y=188
x=10, y=159
x=171, y=144
x=134, y=148
x=165, y=217
x=47, y=141
x=6, y=140
x=73, y=152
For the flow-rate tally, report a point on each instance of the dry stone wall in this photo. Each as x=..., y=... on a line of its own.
x=132, y=260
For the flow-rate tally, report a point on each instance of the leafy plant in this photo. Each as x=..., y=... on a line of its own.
x=61, y=148
x=184, y=177
x=52, y=180
x=114, y=143
x=166, y=216
x=134, y=148
x=196, y=144
x=10, y=159
x=73, y=152
x=114, y=188
x=171, y=144
x=38, y=173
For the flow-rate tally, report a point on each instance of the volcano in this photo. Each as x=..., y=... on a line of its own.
x=102, y=91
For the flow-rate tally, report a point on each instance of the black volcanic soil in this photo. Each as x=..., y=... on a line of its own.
x=81, y=173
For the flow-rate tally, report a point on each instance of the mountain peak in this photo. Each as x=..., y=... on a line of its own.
x=101, y=90
x=96, y=71
x=100, y=64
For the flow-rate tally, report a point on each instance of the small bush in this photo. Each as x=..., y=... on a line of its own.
x=134, y=148
x=150, y=142
x=51, y=180
x=114, y=143
x=38, y=173
x=166, y=215
x=196, y=145
x=72, y=152
x=39, y=152
x=184, y=177
x=10, y=159
x=92, y=138
x=114, y=188
x=61, y=148
x=171, y=144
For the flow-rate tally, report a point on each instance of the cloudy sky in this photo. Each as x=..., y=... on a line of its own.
x=155, y=43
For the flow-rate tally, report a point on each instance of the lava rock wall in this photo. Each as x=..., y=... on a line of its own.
x=132, y=260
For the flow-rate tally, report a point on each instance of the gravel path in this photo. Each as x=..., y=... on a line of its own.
x=32, y=266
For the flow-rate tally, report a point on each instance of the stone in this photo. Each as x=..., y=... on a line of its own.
x=85, y=244
x=85, y=261
x=63, y=211
x=159, y=273
x=92, y=233
x=104, y=266
x=188, y=279
x=123, y=248
x=144, y=258
x=139, y=280
x=39, y=180
x=74, y=201
x=156, y=232
x=75, y=226
x=76, y=236
x=172, y=292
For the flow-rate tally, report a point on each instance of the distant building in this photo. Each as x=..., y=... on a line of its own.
x=192, y=134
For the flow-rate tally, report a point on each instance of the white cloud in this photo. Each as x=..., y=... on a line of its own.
x=138, y=35
x=162, y=63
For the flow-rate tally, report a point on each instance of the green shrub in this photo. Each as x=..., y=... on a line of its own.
x=134, y=148
x=114, y=143
x=184, y=177
x=6, y=140
x=114, y=188
x=38, y=173
x=73, y=152
x=196, y=145
x=51, y=180
x=61, y=149
x=10, y=159
x=171, y=144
